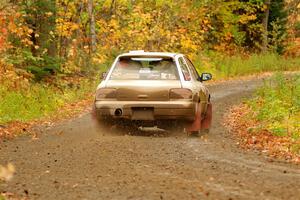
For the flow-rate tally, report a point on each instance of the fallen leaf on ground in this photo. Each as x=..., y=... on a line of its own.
x=7, y=172
x=260, y=139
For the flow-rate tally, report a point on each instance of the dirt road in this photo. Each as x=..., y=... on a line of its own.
x=75, y=160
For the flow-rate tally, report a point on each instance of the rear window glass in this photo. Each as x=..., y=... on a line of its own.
x=184, y=69
x=145, y=68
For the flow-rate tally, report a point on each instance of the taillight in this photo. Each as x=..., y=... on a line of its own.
x=181, y=93
x=106, y=93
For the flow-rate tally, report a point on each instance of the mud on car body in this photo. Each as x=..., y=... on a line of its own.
x=154, y=88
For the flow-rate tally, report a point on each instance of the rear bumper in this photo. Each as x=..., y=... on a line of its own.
x=177, y=110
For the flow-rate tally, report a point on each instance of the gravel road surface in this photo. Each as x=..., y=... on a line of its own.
x=77, y=160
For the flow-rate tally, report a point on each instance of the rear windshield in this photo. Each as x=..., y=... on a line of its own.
x=145, y=68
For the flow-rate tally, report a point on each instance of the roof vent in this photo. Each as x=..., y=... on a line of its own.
x=137, y=51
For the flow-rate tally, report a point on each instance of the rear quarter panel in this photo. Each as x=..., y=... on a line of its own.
x=200, y=91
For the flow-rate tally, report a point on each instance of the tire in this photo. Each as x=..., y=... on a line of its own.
x=198, y=133
x=171, y=125
x=100, y=119
x=207, y=121
x=105, y=122
x=126, y=126
x=193, y=133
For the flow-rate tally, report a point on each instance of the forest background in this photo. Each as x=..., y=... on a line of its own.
x=53, y=51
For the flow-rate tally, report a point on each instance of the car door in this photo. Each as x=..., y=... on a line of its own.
x=187, y=79
x=184, y=72
x=196, y=83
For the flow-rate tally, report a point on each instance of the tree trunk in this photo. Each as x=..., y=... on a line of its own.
x=52, y=49
x=92, y=26
x=265, y=23
x=79, y=30
x=112, y=7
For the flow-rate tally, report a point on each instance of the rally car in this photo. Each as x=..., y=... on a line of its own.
x=154, y=88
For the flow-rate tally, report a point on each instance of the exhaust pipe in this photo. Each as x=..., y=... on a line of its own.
x=118, y=112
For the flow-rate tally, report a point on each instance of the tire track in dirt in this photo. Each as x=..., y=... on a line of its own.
x=77, y=160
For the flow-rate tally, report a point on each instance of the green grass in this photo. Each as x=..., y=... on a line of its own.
x=277, y=106
x=39, y=100
x=231, y=66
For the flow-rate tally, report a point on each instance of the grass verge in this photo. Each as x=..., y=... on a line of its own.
x=270, y=122
x=224, y=67
x=22, y=101
x=38, y=100
x=41, y=103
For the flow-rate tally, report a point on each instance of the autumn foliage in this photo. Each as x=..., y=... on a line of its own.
x=46, y=36
x=53, y=49
x=270, y=121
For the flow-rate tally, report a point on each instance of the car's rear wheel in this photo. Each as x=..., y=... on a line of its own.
x=126, y=126
x=105, y=122
x=171, y=125
x=116, y=126
x=201, y=125
x=102, y=121
x=207, y=121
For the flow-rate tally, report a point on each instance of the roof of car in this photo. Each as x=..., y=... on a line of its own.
x=143, y=53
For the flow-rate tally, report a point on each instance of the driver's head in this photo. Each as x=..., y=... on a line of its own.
x=123, y=63
x=154, y=63
x=129, y=64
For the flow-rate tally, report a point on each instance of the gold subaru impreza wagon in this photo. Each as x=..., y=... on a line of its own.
x=153, y=88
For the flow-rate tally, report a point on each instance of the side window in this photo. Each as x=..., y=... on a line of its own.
x=184, y=70
x=192, y=68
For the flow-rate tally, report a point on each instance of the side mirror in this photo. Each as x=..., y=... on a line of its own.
x=205, y=77
x=103, y=75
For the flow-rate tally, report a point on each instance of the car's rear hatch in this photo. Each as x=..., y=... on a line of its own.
x=143, y=90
